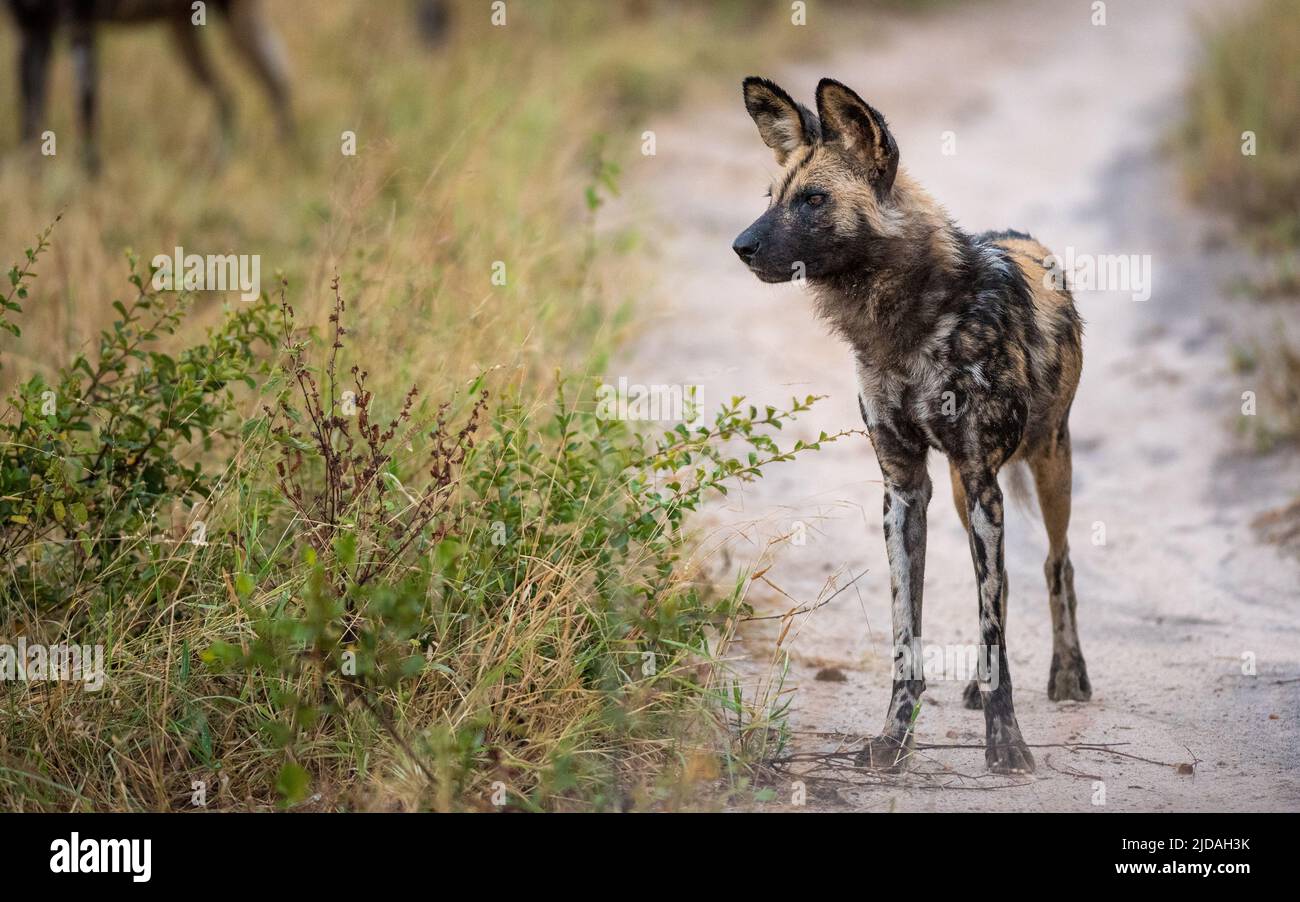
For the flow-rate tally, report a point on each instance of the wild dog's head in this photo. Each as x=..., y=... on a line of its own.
x=831, y=207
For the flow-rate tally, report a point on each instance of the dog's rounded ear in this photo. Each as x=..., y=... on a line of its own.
x=849, y=121
x=784, y=125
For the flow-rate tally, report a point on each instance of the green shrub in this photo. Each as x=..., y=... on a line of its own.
x=464, y=603
x=89, y=458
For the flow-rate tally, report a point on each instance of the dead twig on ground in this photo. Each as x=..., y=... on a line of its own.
x=805, y=609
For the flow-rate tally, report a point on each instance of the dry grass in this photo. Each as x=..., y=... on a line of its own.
x=1246, y=83
x=1273, y=363
x=471, y=154
x=484, y=151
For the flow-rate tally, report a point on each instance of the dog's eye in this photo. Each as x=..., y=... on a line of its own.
x=815, y=200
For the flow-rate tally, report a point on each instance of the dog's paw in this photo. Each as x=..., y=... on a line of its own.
x=970, y=696
x=1068, y=679
x=1009, y=758
x=886, y=753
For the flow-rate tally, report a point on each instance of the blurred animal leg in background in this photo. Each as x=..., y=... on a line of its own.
x=433, y=18
x=190, y=44
x=262, y=49
x=34, y=71
x=85, y=64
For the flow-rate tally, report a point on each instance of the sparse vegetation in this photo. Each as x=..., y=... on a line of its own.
x=1273, y=362
x=413, y=611
x=1240, y=96
x=1241, y=148
x=475, y=153
x=316, y=586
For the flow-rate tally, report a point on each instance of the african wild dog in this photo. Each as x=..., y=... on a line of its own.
x=38, y=20
x=960, y=346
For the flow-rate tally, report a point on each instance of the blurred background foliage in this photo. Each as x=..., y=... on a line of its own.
x=1248, y=80
x=477, y=150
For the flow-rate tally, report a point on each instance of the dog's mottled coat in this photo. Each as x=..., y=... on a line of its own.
x=962, y=344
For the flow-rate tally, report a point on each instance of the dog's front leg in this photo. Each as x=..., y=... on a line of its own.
x=1005, y=750
x=907, y=492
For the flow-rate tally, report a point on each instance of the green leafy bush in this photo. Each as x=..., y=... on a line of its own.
x=464, y=603
x=424, y=545
x=88, y=458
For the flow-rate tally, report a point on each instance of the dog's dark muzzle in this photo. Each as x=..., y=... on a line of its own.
x=747, y=244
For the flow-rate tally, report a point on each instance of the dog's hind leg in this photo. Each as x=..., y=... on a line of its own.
x=907, y=492
x=1051, y=467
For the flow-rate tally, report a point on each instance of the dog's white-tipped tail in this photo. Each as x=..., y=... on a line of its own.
x=1019, y=487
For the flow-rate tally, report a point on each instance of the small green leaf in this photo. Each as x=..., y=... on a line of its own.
x=446, y=553
x=293, y=783
x=345, y=548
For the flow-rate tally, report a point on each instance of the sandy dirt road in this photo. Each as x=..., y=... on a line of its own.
x=1057, y=132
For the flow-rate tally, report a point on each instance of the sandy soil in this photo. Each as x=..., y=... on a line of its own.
x=1058, y=133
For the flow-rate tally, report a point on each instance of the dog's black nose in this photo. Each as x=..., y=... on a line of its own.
x=745, y=247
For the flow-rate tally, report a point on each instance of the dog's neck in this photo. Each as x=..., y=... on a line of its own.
x=887, y=304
